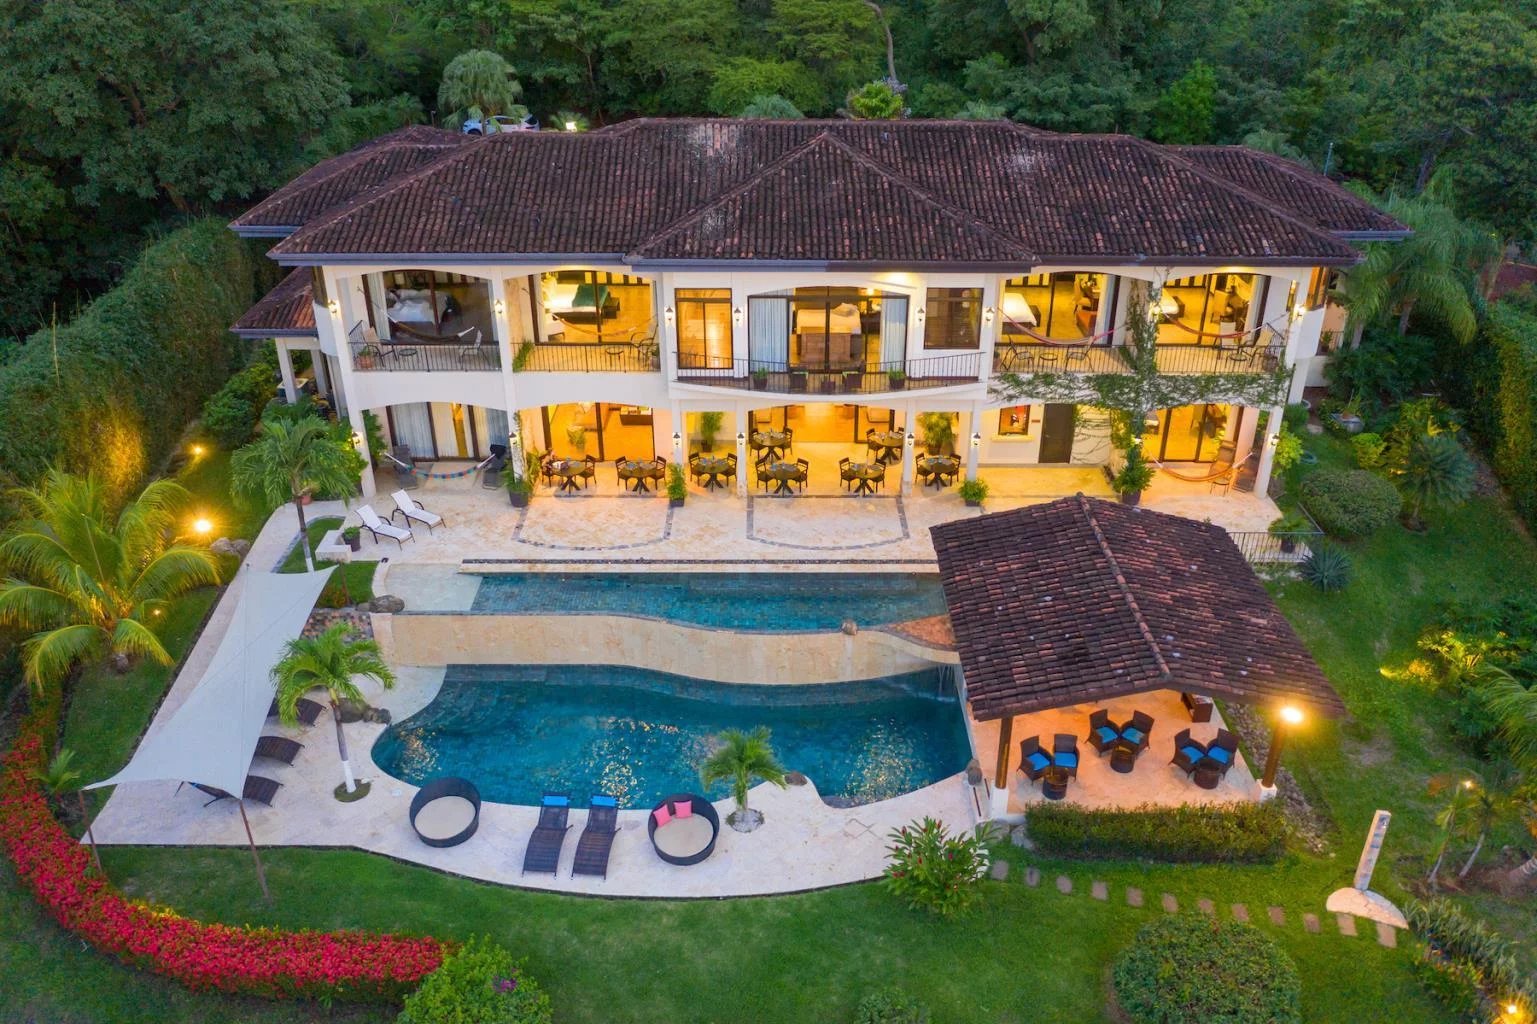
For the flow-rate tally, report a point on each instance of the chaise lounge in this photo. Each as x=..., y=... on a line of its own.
x=309, y=711
x=257, y=787
x=376, y=526
x=278, y=748
x=543, y=852
x=413, y=511
x=597, y=839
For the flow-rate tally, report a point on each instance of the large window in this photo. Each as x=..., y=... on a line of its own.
x=1210, y=309
x=594, y=307
x=830, y=329
x=1057, y=306
x=704, y=328
x=953, y=318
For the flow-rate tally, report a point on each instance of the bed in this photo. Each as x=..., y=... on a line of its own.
x=581, y=303
x=830, y=338
x=418, y=306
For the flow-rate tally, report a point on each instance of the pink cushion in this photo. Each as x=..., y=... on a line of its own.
x=661, y=815
x=683, y=809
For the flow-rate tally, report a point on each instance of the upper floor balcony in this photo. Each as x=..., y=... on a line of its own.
x=853, y=378
x=1261, y=352
x=636, y=352
x=406, y=351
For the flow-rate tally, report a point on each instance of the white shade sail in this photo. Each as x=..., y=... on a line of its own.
x=212, y=737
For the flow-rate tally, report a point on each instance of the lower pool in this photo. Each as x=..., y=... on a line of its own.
x=519, y=730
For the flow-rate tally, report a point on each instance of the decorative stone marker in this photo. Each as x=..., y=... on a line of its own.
x=1359, y=898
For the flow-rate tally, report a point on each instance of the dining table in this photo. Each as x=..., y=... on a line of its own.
x=774, y=442
x=865, y=475
x=783, y=474
x=932, y=469
x=713, y=468
x=570, y=472
x=641, y=472
x=887, y=444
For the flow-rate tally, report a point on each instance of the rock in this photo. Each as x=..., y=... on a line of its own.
x=850, y=627
x=355, y=711
x=387, y=603
x=223, y=546
x=999, y=871
x=795, y=779
x=241, y=545
x=1019, y=837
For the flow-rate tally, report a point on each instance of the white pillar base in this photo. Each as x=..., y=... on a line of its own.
x=998, y=804
x=1267, y=793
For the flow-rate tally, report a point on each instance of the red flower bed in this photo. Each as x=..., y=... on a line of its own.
x=356, y=966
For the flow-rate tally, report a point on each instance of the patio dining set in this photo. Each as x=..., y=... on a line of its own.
x=1206, y=764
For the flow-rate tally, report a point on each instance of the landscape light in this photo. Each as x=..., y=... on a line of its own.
x=570, y=126
x=202, y=527
x=197, y=451
x=1291, y=715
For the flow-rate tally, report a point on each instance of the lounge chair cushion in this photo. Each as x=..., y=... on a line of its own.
x=604, y=801
x=555, y=801
x=1066, y=759
x=445, y=817
x=685, y=838
x=1219, y=755
x=1105, y=734
x=1192, y=753
x=662, y=816
x=1038, y=760
x=1133, y=734
x=682, y=809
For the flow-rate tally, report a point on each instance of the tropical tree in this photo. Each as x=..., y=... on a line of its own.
x=1450, y=819
x=86, y=583
x=294, y=457
x=1490, y=801
x=1433, y=468
x=772, y=107
x=329, y=661
x=875, y=101
x=479, y=84
x=1439, y=268
x=743, y=756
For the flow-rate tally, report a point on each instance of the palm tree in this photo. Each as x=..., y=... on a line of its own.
x=295, y=457
x=741, y=757
x=330, y=661
x=86, y=584
x=479, y=84
x=1440, y=268
x=1516, y=708
x=1447, y=819
x=1490, y=802
x=1433, y=468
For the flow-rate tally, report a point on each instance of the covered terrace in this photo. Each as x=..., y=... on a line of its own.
x=1080, y=605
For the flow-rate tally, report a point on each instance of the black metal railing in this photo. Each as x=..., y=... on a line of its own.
x=1049, y=357
x=781, y=377
x=411, y=356
x=586, y=357
x=1226, y=358
x=1264, y=548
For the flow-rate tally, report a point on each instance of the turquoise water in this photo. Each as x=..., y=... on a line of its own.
x=518, y=730
x=756, y=601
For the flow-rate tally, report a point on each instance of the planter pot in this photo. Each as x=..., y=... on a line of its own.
x=973, y=504
x=707, y=446
x=797, y=382
x=675, y=502
x=518, y=500
x=355, y=543
x=897, y=385
x=1349, y=423
x=1288, y=545
x=760, y=383
x=1132, y=498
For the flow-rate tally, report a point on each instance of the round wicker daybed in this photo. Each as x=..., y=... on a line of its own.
x=683, y=829
x=446, y=811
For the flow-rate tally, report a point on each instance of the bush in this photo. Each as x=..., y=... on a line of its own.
x=1295, y=417
x=1327, y=568
x=479, y=983
x=1232, y=832
x=1349, y=503
x=1188, y=969
x=231, y=415
x=890, y=1008
x=1496, y=381
x=1369, y=449
x=932, y=870
x=974, y=492
x=1465, y=962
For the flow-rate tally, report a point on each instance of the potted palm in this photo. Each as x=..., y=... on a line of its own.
x=897, y=379
x=1136, y=476
x=938, y=431
x=760, y=379
x=677, y=486
x=709, y=427
x=1286, y=529
x=519, y=487
x=353, y=536
x=974, y=492
x=741, y=757
x=330, y=661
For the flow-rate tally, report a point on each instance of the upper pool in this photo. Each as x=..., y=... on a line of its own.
x=757, y=601
x=641, y=735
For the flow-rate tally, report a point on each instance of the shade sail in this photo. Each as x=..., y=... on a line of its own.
x=212, y=736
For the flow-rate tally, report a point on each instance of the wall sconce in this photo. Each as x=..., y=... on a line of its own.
x=909, y=440
x=976, y=440
x=741, y=438
x=500, y=307
x=1299, y=311
x=1275, y=440
x=667, y=313
x=987, y=314
x=335, y=308
x=736, y=314
x=677, y=438
x=921, y=314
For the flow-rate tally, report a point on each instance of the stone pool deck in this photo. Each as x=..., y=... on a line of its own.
x=803, y=843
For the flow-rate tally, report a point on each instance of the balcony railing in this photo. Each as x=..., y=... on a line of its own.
x=1192, y=359
x=411, y=356
x=868, y=379
x=1262, y=548
x=1172, y=359
x=596, y=357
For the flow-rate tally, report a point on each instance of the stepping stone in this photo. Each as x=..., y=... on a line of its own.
x=1000, y=870
x=1100, y=891
x=1206, y=907
x=1310, y=923
x=1240, y=913
x=1170, y=903
x=1064, y=884
x=1347, y=923
x=1387, y=935
x=1133, y=897
x=1277, y=916
x=1032, y=877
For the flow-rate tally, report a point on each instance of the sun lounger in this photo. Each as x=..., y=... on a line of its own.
x=597, y=838
x=412, y=509
x=376, y=526
x=309, y=711
x=278, y=748
x=257, y=787
x=543, y=852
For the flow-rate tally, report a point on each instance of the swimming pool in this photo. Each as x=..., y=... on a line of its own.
x=518, y=730
x=770, y=602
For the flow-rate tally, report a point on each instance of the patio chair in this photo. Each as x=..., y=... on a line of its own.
x=257, y=787
x=803, y=474
x=404, y=464
x=278, y=748
x=597, y=838
x=730, y=466
x=1138, y=729
x=693, y=468
x=1064, y=753
x=789, y=439
x=543, y=852
x=309, y=710
x=1223, y=750
x=376, y=526
x=589, y=473
x=845, y=471
x=1102, y=734
x=1187, y=752
x=491, y=469
x=413, y=511
x=470, y=349
x=1033, y=761
x=761, y=468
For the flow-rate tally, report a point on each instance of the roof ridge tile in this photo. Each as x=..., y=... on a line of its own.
x=1143, y=628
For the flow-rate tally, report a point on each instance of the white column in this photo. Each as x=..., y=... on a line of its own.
x=286, y=368
x=322, y=376
x=908, y=445
x=973, y=444
x=743, y=467
x=507, y=342
x=1267, y=451
x=679, y=439
x=348, y=307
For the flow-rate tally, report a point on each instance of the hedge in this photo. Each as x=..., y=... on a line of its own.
x=1350, y=503
x=1499, y=390
x=231, y=415
x=1244, y=832
x=1189, y=969
x=112, y=390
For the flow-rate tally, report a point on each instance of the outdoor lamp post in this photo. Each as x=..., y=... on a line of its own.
x=202, y=526
x=1291, y=716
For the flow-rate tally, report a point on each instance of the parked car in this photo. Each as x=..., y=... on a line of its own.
x=497, y=123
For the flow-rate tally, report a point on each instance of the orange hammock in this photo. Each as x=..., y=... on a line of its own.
x=1218, y=471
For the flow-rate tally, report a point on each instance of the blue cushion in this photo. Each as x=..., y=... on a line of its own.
x=1038, y=760
x=604, y=801
x=1132, y=733
x=1065, y=759
x=1192, y=753
x=556, y=801
x=1219, y=755
x=1105, y=734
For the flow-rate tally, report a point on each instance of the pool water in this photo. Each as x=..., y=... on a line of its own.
x=641, y=735
x=756, y=601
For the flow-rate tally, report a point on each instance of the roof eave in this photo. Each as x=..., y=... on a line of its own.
x=264, y=230
x=309, y=259
x=1374, y=236
x=273, y=332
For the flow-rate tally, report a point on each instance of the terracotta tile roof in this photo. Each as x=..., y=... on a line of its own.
x=286, y=311
x=347, y=176
x=1080, y=600
x=1289, y=184
x=880, y=192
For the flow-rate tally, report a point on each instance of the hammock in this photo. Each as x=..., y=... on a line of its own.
x=1218, y=470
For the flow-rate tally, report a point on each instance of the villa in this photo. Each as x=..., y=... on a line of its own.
x=596, y=294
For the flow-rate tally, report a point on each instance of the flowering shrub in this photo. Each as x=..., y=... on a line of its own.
x=479, y=983
x=933, y=870
x=1187, y=969
x=354, y=966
